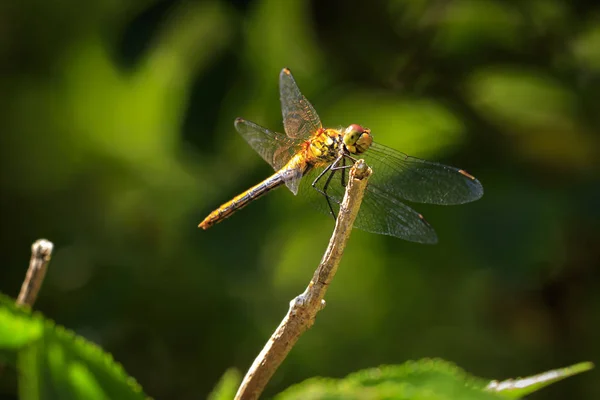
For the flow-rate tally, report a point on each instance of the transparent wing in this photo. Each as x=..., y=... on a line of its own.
x=275, y=148
x=379, y=213
x=417, y=180
x=300, y=119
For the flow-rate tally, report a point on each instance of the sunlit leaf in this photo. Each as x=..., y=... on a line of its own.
x=414, y=380
x=517, y=388
x=420, y=380
x=422, y=128
x=538, y=111
x=586, y=47
x=465, y=24
x=280, y=35
x=17, y=330
x=57, y=364
x=521, y=97
x=227, y=386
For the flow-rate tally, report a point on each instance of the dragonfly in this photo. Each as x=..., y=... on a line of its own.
x=314, y=161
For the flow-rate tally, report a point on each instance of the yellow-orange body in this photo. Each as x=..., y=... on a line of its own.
x=324, y=147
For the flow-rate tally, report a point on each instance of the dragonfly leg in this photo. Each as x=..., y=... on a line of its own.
x=344, y=173
x=331, y=169
x=334, y=168
x=314, y=184
x=343, y=167
x=325, y=186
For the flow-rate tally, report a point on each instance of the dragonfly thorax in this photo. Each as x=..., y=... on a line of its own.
x=329, y=144
x=326, y=145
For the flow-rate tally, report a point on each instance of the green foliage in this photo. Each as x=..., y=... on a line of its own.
x=54, y=363
x=227, y=386
x=17, y=330
x=418, y=380
x=429, y=379
x=517, y=388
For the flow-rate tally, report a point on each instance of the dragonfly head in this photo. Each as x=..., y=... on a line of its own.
x=357, y=139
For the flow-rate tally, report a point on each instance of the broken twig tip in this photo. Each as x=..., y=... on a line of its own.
x=42, y=247
x=41, y=251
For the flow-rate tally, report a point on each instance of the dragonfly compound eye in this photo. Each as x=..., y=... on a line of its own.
x=352, y=134
x=364, y=141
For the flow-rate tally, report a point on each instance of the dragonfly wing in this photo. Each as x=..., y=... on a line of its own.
x=292, y=178
x=386, y=215
x=316, y=200
x=379, y=213
x=275, y=148
x=420, y=181
x=300, y=119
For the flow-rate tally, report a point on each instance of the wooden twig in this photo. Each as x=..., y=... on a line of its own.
x=304, y=308
x=41, y=251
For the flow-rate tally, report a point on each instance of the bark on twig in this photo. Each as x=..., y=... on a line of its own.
x=41, y=251
x=304, y=308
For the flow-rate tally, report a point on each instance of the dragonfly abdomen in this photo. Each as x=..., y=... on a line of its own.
x=242, y=200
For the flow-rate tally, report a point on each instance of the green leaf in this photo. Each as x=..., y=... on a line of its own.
x=428, y=379
x=517, y=388
x=17, y=328
x=420, y=128
x=525, y=98
x=227, y=386
x=54, y=363
x=468, y=25
x=586, y=47
x=419, y=380
x=268, y=19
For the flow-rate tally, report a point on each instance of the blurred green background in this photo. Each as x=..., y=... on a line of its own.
x=117, y=139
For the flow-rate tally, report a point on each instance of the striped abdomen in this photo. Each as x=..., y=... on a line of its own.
x=242, y=200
